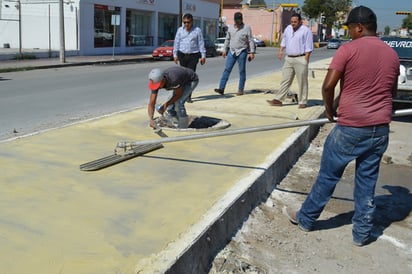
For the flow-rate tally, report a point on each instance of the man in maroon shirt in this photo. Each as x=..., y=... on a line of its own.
x=367, y=70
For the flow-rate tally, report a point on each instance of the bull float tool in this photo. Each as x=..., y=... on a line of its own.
x=126, y=150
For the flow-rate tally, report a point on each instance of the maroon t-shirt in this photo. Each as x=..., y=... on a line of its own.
x=369, y=67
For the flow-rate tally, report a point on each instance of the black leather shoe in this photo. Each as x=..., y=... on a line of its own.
x=220, y=91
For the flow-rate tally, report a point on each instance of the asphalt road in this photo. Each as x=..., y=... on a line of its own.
x=37, y=100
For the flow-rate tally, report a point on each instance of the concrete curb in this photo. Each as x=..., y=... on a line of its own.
x=210, y=235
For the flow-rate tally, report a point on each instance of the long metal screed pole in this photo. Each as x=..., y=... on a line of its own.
x=397, y=113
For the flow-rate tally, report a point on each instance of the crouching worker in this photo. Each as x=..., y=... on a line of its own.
x=182, y=81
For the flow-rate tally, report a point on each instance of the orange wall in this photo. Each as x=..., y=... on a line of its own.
x=261, y=21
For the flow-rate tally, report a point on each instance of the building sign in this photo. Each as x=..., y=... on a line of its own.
x=146, y=2
x=189, y=6
x=100, y=7
x=104, y=7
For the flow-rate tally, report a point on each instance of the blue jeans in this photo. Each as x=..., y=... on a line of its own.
x=366, y=145
x=230, y=62
x=178, y=108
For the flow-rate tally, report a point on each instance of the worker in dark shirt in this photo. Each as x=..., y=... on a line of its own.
x=181, y=81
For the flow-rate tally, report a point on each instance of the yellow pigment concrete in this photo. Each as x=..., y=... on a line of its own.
x=55, y=218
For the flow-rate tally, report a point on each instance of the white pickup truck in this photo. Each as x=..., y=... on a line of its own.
x=403, y=46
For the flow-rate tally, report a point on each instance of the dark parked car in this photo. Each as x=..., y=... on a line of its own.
x=334, y=43
x=210, y=48
x=259, y=43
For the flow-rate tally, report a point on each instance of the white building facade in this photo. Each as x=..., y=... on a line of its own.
x=93, y=27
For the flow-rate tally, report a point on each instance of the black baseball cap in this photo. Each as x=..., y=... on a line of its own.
x=361, y=14
x=238, y=16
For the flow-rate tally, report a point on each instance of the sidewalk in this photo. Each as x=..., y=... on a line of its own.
x=170, y=210
x=7, y=59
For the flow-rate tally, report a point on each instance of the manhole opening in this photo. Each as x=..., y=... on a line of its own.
x=203, y=122
x=196, y=123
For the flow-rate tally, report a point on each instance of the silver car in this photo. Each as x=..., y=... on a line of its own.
x=220, y=45
x=334, y=43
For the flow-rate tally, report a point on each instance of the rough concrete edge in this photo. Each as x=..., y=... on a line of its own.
x=194, y=251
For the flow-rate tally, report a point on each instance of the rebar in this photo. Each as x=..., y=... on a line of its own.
x=397, y=113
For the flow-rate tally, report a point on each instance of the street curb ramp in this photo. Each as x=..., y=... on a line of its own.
x=194, y=251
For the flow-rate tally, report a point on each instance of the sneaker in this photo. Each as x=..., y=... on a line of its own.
x=363, y=243
x=220, y=91
x=294, y=220
x=239, y=93
x=170, y=120
x=358, y=244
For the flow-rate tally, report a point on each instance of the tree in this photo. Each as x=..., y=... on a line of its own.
x=333, y=10
x=407, y=22
x=387, y=30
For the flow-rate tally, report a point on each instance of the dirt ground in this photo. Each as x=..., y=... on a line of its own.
x=268, y=243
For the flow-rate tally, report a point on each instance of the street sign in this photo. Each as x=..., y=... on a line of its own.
x=115, y=20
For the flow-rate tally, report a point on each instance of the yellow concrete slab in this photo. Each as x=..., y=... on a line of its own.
x=57, y=219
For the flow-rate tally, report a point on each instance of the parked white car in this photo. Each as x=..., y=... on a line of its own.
x=98, y=33
x=220, y=45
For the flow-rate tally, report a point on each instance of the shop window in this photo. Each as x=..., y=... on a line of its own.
x=138, y=28
x=209, y=29
x=167, y=27
x=103, y=29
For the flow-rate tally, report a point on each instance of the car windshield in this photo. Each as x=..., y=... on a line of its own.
x=167, y=44
x=334, y=40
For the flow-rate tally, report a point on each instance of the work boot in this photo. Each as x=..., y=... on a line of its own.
x=183, y=122
x=294, y=220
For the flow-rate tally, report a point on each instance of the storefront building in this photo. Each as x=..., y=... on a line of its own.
x=101, y=26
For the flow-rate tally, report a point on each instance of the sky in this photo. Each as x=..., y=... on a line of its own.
x=384, y=10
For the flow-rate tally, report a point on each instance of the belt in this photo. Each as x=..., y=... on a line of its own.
x=377, y=126
x=188, y=54
x=294, y=56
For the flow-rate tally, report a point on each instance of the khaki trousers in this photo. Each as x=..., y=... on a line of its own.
x=294, y=66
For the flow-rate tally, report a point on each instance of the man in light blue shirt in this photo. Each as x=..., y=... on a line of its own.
x=298, y=43
x=189, y=46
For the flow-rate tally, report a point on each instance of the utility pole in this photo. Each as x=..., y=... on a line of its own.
x=61, y=25
x=20, y=43
x=180, y=12
x=221, y=19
